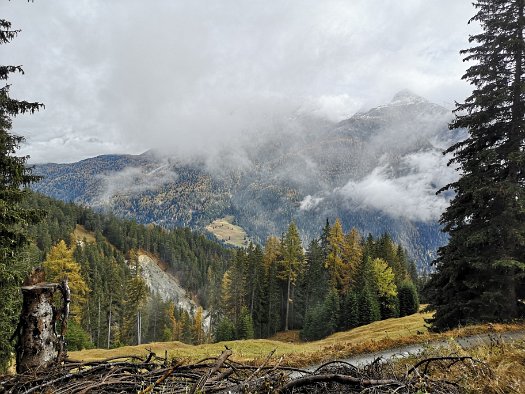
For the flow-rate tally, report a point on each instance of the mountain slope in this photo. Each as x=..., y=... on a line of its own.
x=377, y=170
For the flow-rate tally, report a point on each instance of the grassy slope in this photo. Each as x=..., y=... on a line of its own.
x=80, y=233
x=230, y=233
x=380, y=335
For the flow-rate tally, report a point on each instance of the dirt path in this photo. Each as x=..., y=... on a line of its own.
x=405, y=351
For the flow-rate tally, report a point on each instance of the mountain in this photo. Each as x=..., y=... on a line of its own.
x=378, y=171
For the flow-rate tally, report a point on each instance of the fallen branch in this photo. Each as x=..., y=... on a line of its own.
x=336, y=378
x=221, y=375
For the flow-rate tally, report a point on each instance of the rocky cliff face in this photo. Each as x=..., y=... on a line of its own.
x=161, y=282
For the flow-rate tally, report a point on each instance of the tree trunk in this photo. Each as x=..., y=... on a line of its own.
x=109, y=321
x=38, y=343
x=288, y=301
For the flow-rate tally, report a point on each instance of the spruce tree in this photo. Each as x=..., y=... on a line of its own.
x=291, y=265
x=349, y=311
x=14, y=218
x=368, y=306
x=479, y=274
x=408, y=299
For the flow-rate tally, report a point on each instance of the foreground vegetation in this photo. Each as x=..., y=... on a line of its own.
x=495, y=367
x=377, y=336
x=498, y=367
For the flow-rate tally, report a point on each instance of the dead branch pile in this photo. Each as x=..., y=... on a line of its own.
x=221, y=375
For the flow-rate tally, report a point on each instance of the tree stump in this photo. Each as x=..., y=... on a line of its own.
x=38, y=344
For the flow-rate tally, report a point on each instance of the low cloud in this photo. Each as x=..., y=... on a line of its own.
x=134, y=180
x=310, y=202
x=408, y=192
x=196, y=77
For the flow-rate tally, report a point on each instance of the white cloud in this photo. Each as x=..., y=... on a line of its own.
x=192, y=76
x=309, y=203
x=411, y=193
x=134, y=180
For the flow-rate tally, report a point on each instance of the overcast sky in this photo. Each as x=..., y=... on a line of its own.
x=123, y=76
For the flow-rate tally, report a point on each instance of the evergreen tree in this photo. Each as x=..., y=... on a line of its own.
x=291, y=265
x=349, y=311
x=331, y=312
x=325, y=234
x=245, y=325
x=479, y=274
x=322, y=319
x=76, y=337
x=369, y=310
x=14, y=218
x=137, y=293
x=271, y=258
x=408, y=299
x=313, y=284
x=225, y=330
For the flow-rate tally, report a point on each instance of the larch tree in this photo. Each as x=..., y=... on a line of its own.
x=335, y=263
x=479, y=273
x=352, y=255
x=198, y=334
x=15, y=176
x=60, y=264
x=384, y=280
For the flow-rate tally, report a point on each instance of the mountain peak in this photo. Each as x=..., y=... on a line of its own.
x=406, y=96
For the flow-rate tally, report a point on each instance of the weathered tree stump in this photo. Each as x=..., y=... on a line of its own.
x=39, y=345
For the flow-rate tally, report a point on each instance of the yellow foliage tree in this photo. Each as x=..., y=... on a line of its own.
x=198, y=331
x=335, y=263
x=227, y=306
x=60, y=264
x=384, y=278
x=175, y=325
x=352, y=256
x=272, y=252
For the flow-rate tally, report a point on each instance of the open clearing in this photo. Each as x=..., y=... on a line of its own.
x=374, y=337
x=80, y=233
x=226, y=231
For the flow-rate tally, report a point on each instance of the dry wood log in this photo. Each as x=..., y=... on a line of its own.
x=38, y=344
x=336, y=378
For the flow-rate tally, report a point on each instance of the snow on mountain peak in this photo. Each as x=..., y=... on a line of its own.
x=405, y=97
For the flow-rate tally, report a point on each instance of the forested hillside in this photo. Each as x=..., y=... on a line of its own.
x=108, y=295
x=339, y=281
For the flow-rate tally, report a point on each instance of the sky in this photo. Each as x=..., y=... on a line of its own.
x=125, y=76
